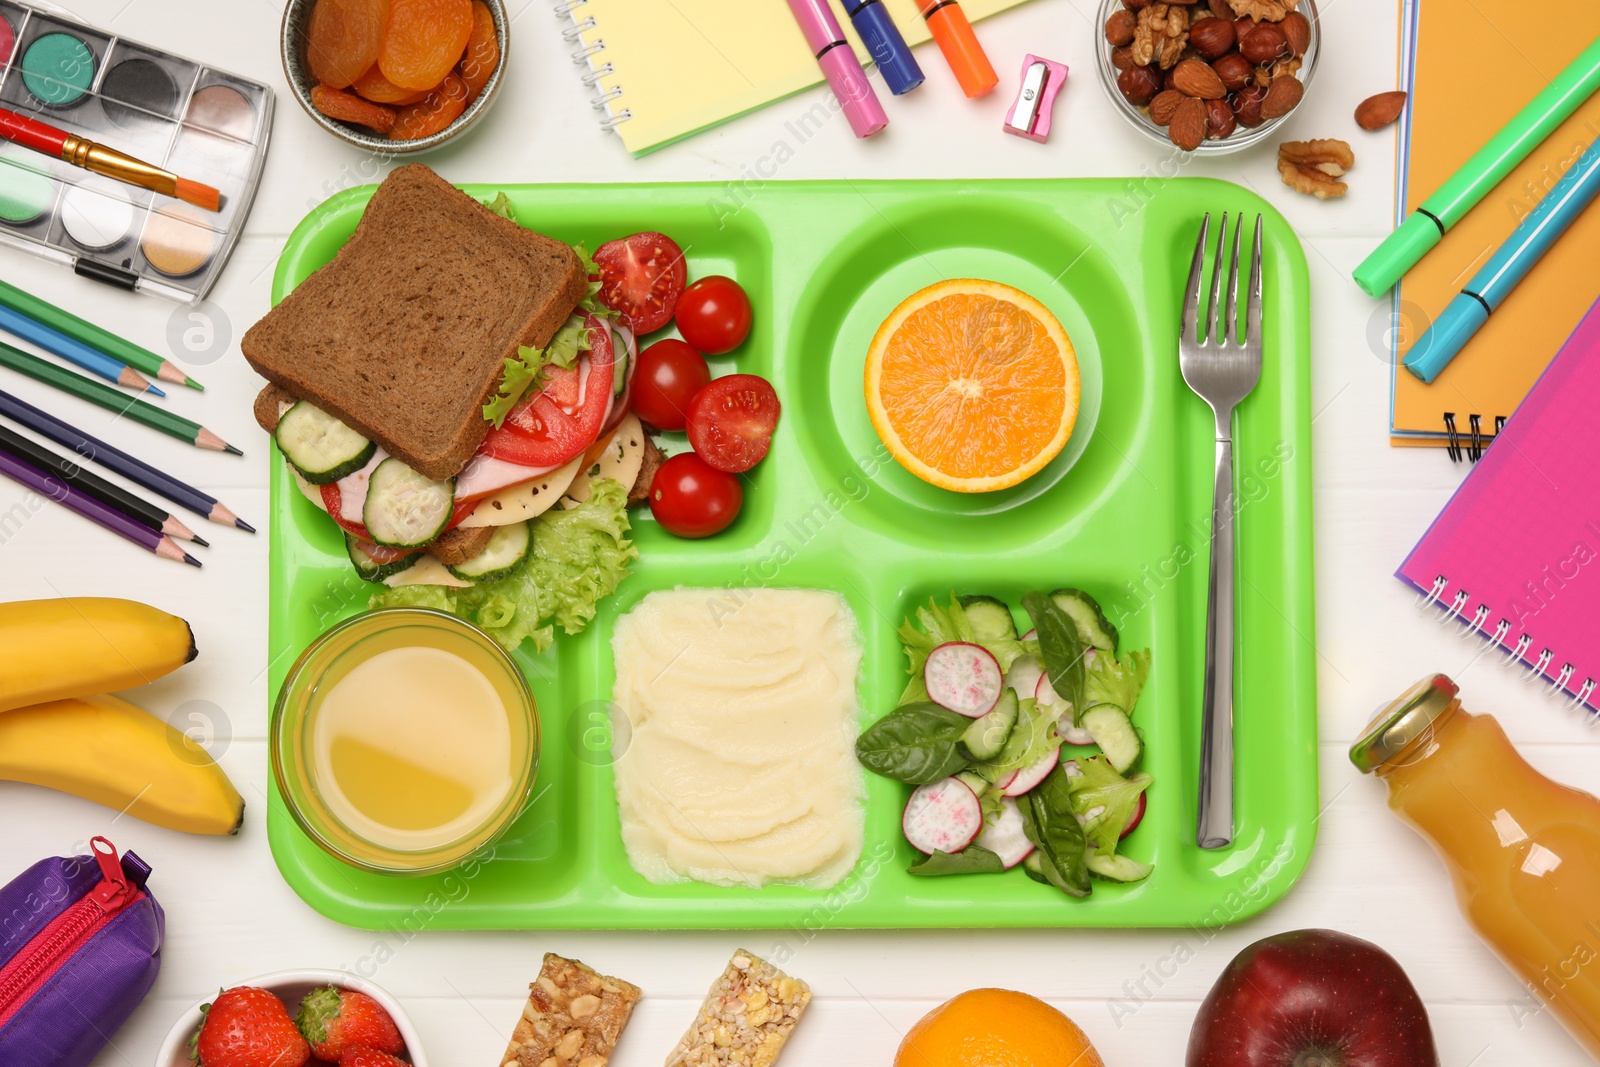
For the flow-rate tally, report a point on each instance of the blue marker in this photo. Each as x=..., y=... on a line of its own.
x=889, y=50
x=1467, y=313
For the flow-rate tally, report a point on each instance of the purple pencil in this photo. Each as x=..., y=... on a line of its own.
x=90, y=508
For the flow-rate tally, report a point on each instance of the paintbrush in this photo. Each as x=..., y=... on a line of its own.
x=82, y=152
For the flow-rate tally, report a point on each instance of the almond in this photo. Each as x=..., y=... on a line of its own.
x=1194, y=77
x=1189, y=127
x=1163, y=106
x=1283, y=96
x=1297, y=28
x=1376, y=112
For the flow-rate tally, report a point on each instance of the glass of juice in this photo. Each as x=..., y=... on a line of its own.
x=404, y=740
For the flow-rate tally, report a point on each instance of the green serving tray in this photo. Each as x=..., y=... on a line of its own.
x=1124, y=513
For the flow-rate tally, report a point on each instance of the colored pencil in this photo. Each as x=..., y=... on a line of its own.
x=65, y=322
x=91, y=484
x=96, y=393
x=113, y=458
x=96, y=363
x=93, y=510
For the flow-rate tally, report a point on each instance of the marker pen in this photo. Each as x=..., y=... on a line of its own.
x=949, y=26
x=888, y=49
x=839, y=66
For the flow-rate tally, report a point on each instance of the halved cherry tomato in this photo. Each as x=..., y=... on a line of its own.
x=642, y=277
x=714, y=315
x=731, y=421
x=670, y=374
x=542, y=431
x=693, y=499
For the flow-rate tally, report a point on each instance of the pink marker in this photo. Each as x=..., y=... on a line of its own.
x=839, y=66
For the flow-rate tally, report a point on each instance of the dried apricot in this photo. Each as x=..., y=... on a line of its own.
x=380, y=90
x=348, y=107
x=423, y=40
x=343, y=39
x=433, y=113
x=483, y=51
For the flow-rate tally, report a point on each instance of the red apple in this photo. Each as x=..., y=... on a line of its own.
x=1312, y=998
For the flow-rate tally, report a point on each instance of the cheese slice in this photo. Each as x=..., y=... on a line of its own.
x=528, y=500
x=426, y=571
x=622, y=459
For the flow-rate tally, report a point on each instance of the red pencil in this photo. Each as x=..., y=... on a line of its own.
x=82, y=152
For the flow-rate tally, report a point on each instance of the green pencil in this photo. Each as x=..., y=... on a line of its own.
x=88, y=333
x=113, y=400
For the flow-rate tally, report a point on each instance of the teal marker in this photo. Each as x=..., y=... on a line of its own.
x=1467, y=313
x=1426, y=226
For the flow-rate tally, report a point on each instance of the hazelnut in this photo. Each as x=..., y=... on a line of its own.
x=1135, y=5
x=1220, y=119
x=1246, y=104
x=1169, y=80
x=1122, y=58
x=1211, y=38
x=1243, y=25
x=1235, y=71
x=1297, y=29
x=1139, y=85
x=1120, y=27
x=1221, y=8
x=1263, y=44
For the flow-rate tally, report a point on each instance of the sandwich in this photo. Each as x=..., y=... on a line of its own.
x=446, y=388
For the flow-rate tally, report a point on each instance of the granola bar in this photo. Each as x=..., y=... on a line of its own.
x=748, y=1015
x=573, y=1017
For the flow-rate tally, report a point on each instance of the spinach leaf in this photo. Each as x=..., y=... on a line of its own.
x=1050, y=824
x=1061, y=648
x=971, y=860
x=915, y=743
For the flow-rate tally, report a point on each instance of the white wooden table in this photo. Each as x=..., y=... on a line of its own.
x=1135, y=992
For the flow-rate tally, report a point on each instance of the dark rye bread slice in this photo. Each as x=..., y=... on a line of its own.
x=404, y=335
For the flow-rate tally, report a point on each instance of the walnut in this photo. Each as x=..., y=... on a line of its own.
x=1161, y=35
x=1265, y=76
x=1315, y=167
x=1264, y=10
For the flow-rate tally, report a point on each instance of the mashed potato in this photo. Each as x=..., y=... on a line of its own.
x=737, y=765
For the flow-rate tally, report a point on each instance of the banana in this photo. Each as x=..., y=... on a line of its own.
x=78, y=646
x=106, y=750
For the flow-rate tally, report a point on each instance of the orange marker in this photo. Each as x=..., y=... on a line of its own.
x=949, y=26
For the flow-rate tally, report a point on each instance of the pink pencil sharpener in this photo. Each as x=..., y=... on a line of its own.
x=1029, y=116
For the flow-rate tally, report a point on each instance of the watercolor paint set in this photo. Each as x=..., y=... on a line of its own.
x=168, y=111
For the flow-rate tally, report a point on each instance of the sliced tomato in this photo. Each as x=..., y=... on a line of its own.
x=333, y=500
x=642, y=277
x=541, y=431
x=384, y=553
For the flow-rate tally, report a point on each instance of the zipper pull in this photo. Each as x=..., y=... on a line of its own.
x=114, y=890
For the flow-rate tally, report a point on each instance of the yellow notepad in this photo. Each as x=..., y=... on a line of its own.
x=663, y=69
x=1472, y=67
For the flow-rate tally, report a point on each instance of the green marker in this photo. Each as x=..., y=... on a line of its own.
x=1426, y=226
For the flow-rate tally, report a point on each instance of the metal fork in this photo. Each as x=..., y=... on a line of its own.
x=1221, y=368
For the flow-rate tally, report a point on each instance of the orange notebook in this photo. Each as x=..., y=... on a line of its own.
x=1469, y=68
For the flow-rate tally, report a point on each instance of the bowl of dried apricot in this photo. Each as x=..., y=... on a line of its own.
x=395, y=76
x=1208, y=76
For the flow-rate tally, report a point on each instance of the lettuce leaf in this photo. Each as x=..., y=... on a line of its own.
x=1109, y=796
x=501, y=205
x=1031, y=741
x=1109, y=680
x=938, y=624
x=578, y=556
x=528, y=370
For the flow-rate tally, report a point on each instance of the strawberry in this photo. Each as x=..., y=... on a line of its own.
x=334, y=1019
x=359, y=1056
x=246, y=1027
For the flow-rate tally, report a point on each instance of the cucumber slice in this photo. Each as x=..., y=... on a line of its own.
x=619, y=365
x=1113, y=731
x=319, y=446
x=993, y=627
x=406, y=509
x=974, y=781
x=1114, y=868
x=506, y=548
x=370, y=569
x=1093, y=626
x=987, y=736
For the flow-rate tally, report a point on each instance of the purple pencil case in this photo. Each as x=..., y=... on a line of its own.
x=80, y=945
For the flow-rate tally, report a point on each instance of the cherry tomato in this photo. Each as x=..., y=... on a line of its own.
x=731, y=421
x=642, y=277
x=670, y=374
x=714, y=315
x=566, y=415
x=693, y=499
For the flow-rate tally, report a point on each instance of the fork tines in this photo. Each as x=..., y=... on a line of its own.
x=1222, y=321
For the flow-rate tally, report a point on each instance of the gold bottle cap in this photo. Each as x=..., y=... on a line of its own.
x=1394, y=728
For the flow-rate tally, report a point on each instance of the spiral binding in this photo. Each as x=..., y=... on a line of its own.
x=1477, y=441
x=596, y=70
x=1433, y=597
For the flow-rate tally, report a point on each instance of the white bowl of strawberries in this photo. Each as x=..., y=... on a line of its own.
x=296, y=1019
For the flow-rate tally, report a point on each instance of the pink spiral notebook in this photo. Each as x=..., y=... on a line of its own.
x=1515, y=555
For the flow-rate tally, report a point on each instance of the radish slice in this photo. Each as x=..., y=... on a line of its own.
x=1029, y=777
x=1070, y=766
x=1006, y=838
x=1024, y=675
x=942, y=816
x=1006, y=781
x=1070, y=734
x=1138, y=817
x=1031, y=635
x=963, y=677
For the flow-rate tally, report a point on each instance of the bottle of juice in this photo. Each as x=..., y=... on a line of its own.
x=1524, y=851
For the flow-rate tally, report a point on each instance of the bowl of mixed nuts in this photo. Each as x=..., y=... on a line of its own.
x=1208, y=76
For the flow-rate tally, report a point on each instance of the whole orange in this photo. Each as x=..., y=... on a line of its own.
x=996, y=1028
